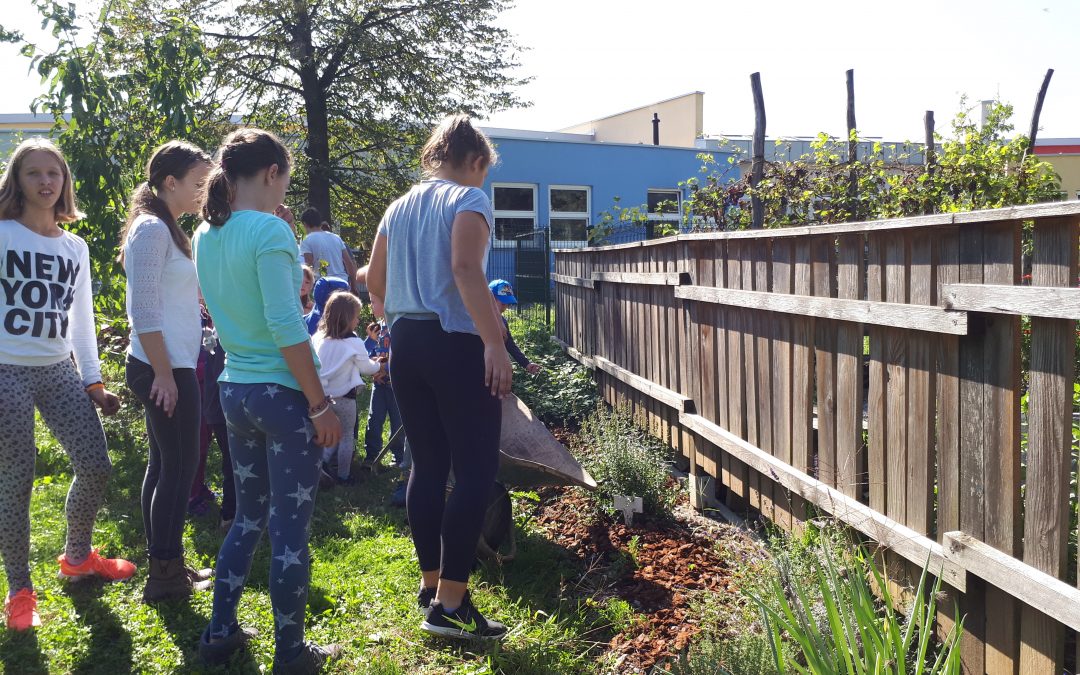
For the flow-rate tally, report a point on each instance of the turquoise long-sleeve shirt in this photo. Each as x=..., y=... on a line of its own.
x=250, y=278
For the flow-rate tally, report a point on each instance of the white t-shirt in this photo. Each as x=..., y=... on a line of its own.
x=325, y=246
x=46, y=300
x=162, y=292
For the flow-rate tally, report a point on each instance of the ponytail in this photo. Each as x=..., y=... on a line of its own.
x=217, y=207
x=244, y=153
x=175, y=158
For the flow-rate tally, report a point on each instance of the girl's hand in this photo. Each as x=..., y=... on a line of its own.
x=163, y=393
x=327, y=429
x=498, y=372
x=532, y=368
x=106, y=400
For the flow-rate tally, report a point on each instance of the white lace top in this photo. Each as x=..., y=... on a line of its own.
x=162, y=292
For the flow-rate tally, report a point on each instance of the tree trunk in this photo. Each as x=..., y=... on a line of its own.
x=318, y=127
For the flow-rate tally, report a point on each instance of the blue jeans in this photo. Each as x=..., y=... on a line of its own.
x=383, y=404
x=276, y=472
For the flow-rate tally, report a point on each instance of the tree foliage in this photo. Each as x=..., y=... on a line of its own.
x=361, y=81
x=976, y=167
x=114, y=95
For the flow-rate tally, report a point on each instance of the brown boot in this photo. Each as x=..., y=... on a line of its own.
x=201, y=579
x=168, y=580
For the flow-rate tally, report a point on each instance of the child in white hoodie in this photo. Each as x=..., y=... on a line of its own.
x=344, y=359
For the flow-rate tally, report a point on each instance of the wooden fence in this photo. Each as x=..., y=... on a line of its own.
x=872, y=371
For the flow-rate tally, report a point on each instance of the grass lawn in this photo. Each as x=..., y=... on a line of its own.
x=364, y=578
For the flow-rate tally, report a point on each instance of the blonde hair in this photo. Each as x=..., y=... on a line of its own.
x=11, y=194
x=454, y=143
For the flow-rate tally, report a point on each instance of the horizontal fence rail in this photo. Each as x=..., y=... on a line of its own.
x=873, y=372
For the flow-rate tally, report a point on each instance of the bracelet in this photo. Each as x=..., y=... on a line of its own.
x=93, y=387
x=321, y=408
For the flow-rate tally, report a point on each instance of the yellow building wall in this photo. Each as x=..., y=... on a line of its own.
x=680, y=123
x=1068, y=167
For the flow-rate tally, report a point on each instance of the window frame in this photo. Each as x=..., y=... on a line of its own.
x=675, y=217
x=570, y=215
x=509, y=243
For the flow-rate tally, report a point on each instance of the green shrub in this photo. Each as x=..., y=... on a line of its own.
x=740, y=654
x=625, y=460
x=834, y=623
x=563, y=393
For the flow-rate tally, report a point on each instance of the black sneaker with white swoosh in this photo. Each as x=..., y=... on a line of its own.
x=464, y=623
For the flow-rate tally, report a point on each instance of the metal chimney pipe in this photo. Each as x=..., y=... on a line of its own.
x=655, y=129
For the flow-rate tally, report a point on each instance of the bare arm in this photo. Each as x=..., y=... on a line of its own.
x=376, y=268
x=468, y=242
x=350, y=267
x=309, y=260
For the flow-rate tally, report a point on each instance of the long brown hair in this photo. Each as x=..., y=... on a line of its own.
x=176, y=159
x=244, y=153
x=11, y=195
x=455, y=142
x=341, y=309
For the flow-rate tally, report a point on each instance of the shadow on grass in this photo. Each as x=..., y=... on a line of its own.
x=20, y=653
x=110, y=648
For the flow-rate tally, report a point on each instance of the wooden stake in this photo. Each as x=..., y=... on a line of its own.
x=853, y=145
x=757, y=168
x=1034, y=130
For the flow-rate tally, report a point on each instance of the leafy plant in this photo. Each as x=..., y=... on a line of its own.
x=976, y=167
x=563, y=393
x=625, y=460
x=837, y=626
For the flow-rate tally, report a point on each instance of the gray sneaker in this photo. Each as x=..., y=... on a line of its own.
x=309, y=661
x=217, y=653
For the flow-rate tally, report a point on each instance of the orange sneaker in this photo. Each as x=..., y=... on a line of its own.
x=111, y=569
x=21, y=610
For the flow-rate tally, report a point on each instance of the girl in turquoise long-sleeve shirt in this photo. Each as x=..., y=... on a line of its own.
x=274, y=404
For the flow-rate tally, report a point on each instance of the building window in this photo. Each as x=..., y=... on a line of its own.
x=569, y=211
x=663, y=204
x=515, y=210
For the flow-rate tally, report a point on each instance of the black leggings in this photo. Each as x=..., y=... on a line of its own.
x=453, y=422
x=173, y=457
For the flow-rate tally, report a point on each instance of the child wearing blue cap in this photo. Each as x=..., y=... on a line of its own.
x=504, y=298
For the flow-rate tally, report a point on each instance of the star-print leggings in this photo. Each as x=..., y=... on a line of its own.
x=276, y=472
x=58, y=394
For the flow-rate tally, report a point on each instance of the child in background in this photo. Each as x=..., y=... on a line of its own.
x=320, y=293
x=344, y=359
x=306, y=302
x=504, y=296
x=213, y=424
x=382, y=404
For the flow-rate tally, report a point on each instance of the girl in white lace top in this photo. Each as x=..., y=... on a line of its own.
x=166, y=332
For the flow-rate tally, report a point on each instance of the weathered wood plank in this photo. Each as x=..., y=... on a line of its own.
x=877, y=423
x=750, y=379
x=890, y=534
x=948, y=425
x=1048, y=594
x=1001, y=367
x=898, y=315
x=823, y=250
x=921, y=388
x=802, y=413
x=642, y=278
x=763, y=329
x=737, y=494
x=1046, y=512
x=706, y=337
x=1039, y=300
x=850, y=458
x=782, y=282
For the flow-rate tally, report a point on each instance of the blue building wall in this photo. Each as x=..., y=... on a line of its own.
x=609, y=170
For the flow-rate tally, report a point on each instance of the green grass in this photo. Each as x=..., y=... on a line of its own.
x=364, y=578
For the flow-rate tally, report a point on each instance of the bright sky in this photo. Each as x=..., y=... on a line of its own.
x=591, y=58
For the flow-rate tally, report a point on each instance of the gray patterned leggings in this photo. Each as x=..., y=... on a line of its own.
x=58, y=393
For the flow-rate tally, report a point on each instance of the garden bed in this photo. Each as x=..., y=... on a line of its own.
x=657, y=567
